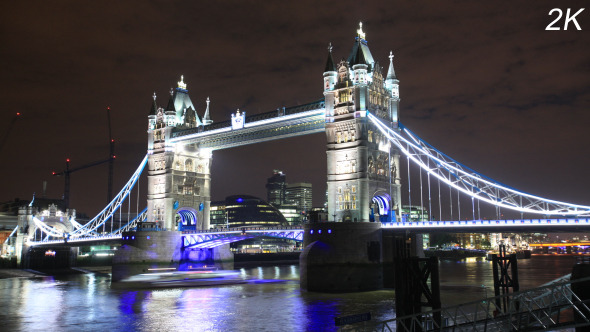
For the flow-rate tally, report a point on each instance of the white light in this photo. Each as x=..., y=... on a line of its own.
x=181, y=84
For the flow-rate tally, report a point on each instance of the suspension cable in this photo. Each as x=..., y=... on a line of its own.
x=459, y=204
x=409, y=191
x=421, y=196
x=429, y=197
x=439, y=202
x=451, y=197
x=464, y=179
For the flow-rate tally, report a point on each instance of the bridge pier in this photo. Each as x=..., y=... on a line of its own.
x=341, y=257
x=218, y=255
x=144, y=250
x=47, y=258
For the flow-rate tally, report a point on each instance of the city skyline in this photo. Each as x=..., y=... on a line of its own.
x=488, y=86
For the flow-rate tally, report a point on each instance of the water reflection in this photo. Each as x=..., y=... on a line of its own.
x=273, y=303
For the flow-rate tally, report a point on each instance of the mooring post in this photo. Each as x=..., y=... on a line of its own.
x=503, y=281
x=411, y=283
x=581, y=270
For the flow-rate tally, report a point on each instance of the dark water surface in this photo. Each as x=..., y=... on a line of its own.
x=271, y=302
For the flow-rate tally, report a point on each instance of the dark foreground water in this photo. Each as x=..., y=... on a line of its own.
x=272, y=302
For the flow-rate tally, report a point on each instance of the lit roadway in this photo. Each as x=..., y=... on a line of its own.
x=494, y=226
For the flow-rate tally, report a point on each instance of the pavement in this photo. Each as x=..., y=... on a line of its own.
x=18, y=273
x=27, y=273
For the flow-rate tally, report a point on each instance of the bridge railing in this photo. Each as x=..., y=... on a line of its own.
x=241, y=229
x=537, y=308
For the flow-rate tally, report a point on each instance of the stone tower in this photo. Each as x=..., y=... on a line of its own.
x=179, y=175
x=363, y=167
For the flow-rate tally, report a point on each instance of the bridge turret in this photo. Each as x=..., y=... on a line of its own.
x=178, y=174
x=330, y=71
x=392, y=84
x=153, y=114
x=363, y=182
x=207, y=118
x=359, y=65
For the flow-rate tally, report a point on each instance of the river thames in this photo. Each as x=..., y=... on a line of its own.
x=271, y=301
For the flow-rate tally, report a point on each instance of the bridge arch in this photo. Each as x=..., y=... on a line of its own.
x=381, y=207
x=187, y=218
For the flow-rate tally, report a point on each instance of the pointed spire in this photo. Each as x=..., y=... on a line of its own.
x=170, y=107
x=206, y=117
x=359, y=56
x=330, y=66
x=391, y=71
x=154, y=109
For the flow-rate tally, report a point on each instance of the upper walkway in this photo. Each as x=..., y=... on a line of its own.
x=242, y=130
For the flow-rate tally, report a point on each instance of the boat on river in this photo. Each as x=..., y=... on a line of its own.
x=165, y=278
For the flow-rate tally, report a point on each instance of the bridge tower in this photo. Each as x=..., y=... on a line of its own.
x=179, y=175
x=363, y=167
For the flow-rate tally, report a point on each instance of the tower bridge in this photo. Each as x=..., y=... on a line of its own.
x=359, y=113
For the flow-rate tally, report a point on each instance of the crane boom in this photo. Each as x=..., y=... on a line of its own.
x=66, y=173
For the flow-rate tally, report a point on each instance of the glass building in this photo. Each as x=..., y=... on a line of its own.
x=217, y=217
x=244, y=211
x=275, y=188
x=299, y=194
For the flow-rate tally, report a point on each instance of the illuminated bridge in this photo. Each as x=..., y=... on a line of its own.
x=433, y=162
x=369, y=151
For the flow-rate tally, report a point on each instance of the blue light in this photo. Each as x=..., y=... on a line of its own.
x=311, y=231
x=240, y=200
x=148, y=237
x=319, y=231
x=133, y=237
x=329, y=231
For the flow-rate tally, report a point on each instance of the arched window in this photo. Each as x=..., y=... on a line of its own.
x=188, y=165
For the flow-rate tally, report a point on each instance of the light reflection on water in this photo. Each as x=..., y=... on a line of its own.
x=274, y=303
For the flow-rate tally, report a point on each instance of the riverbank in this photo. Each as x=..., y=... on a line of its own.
x=18, y=273
x=454, y=253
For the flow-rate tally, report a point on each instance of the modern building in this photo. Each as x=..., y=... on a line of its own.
x=300, y=195
x=244, y=211
x=414, y=213
x=276, y=186
x=217, y=215
x=291, y=213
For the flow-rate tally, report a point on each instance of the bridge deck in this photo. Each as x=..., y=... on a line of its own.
x=282, y=123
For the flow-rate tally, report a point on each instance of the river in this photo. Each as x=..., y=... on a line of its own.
x=271, y=302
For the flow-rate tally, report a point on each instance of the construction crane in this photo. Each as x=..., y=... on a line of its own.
x=10, y=126
x=66, y=173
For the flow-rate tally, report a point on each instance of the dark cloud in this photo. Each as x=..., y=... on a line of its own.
x=482, y=81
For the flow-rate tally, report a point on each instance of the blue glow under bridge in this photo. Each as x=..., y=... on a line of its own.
x=215, y=238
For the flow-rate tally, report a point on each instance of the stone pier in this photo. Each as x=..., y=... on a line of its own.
x=341, y=257
x=145, y=250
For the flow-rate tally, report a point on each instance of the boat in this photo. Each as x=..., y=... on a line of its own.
x=192, y=278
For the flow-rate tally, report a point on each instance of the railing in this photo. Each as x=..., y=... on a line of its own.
x=241, y=229
x=535, y=309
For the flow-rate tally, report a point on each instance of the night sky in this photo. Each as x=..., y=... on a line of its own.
x=481, y=81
